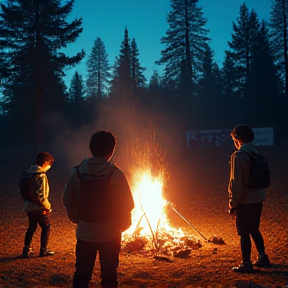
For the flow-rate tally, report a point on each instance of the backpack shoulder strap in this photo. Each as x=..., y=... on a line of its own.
x=254, y=155
x=112, y=171
x=32, y=186
x=77, y=169
x=34, y=175
x=241, y=154
x=247, y=153
x=38, y=174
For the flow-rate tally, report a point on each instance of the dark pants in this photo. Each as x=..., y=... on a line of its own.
x=86, y=253
x=247, y=223
x=37, y=217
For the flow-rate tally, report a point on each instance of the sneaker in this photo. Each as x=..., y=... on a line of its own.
x=45, y=252
x=244, y=267
x=262, y=261
x=27, y=252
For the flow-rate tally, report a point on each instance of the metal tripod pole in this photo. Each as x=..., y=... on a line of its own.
x=187, y=221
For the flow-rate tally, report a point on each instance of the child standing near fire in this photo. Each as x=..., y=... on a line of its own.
x=245, y=203
x=38, y=211
x=98, y=199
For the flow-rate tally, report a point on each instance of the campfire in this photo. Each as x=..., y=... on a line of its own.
x=150, y=231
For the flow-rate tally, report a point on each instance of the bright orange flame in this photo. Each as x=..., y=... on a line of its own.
x=149, y=219
x=148, y=199
x=149, y=212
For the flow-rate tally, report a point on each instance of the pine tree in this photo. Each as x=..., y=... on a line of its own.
x=209, y=91
x=243, y=46
x=153, y=98
x=279, y=39
x=121, y=85
x=229, y=77
x=99, y=76
x=128, y=79
x=218, y=80
x=76, y=102
x=185, y=42
x=208, y=86
x=155, y=81
x=32, y=65
x=262, y=81
x=138, y=78
x=76, y=91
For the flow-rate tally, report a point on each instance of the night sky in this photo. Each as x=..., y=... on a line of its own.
x=146, y=22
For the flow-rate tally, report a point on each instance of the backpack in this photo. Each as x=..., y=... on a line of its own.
x=94, y=203
x=259, y=176
x=25, y=181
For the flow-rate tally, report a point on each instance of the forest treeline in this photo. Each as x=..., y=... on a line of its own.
x=250, y=86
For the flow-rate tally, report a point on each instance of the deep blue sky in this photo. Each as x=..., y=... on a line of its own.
x=146, y=22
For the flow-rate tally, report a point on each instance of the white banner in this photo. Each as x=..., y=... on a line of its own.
x=263, y=136
x=220, y=137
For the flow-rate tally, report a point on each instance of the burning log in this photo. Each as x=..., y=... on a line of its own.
x=135, y=245
x=217, y=240
x=196, y=244
x=183, y=253
x=162, y=258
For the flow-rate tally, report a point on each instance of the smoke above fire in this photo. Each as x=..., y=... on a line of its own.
x=136, y=129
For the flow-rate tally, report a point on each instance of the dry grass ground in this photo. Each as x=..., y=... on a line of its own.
x=198, y=186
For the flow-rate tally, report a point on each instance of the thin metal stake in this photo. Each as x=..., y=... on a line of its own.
x=187, y=221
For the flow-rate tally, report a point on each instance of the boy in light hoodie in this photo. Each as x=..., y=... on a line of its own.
x=98, y=199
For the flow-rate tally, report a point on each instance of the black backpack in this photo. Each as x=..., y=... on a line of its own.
x=24, y=184
x=94, y=204
x=259, y=171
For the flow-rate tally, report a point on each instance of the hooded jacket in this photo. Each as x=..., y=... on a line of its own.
x=41, y=186
x=119, y=194
x=238, y=189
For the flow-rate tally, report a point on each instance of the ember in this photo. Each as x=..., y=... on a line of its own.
x=150, y=229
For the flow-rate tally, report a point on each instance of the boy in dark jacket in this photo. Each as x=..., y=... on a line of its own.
x=38, y=209
x=246, y=202
x=97, y=198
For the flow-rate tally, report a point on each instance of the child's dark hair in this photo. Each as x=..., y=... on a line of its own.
x=102, y=143
x=43, y=157
x=243, y=132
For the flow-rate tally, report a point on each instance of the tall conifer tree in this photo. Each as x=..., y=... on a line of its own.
x=207, y=83
x=262, y=82
x=243, y=46
x=138, y=78
x=32, y=65
x=229, y=77
x=121, y=85
x=185, y=42
x=279, y=39
x=76, y=100
x=99, y=76
x=128, y=74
